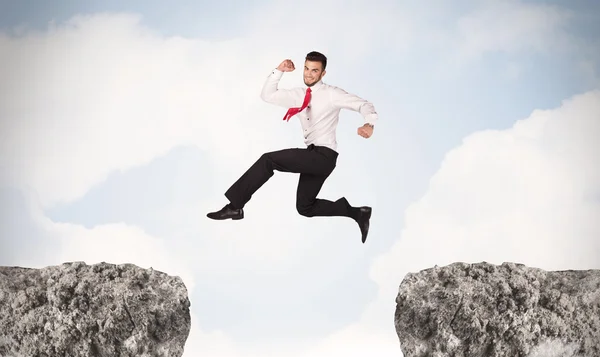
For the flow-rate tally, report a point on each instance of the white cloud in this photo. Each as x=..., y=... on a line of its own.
x=102, y=93
x=116, y=243
x=529, y=194
x=359, y=340
x=214, y=343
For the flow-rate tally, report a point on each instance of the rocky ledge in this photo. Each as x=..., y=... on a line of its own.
x=468, y=310
x=98, y=310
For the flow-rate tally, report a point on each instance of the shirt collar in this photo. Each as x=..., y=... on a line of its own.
x=316, y=86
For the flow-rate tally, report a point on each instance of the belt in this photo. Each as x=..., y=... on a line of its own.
x=323, y=149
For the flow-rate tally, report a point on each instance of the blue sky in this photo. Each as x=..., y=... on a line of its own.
x=125, y=126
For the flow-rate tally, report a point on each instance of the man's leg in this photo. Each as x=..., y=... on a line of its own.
x=309, y=205
x=287, y=160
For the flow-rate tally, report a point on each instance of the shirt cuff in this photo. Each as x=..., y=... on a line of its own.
x=371, y=119
x=276, y=73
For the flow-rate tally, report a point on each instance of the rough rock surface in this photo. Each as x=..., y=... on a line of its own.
x=468, y=310
x=98, y=310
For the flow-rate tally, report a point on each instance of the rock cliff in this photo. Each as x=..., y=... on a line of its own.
x=100, y=310
x=468, y=310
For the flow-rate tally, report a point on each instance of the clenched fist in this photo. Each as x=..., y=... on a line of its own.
x=365, y=131
x=286, y=66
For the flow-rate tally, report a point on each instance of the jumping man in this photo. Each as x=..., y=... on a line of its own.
x=317, y=107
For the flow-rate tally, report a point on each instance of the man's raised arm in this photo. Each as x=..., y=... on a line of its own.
x=271, y=93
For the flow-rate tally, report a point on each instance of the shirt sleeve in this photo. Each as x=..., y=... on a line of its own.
x=272, y=94
x=344, y=100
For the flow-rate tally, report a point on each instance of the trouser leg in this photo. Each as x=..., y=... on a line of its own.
x=304, y=161
x=309, y=205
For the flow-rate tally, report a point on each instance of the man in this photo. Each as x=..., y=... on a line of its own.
x=317, y=108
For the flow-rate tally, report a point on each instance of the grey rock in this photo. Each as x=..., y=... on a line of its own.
x=99, y=310
x=508, y=310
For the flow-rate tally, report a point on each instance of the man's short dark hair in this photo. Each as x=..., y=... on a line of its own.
x=315, y=56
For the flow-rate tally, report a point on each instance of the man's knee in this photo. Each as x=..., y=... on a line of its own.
x=304, y=209
x=266, y=161
x=265, y=157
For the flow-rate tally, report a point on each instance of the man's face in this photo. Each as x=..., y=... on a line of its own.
x=313, y=72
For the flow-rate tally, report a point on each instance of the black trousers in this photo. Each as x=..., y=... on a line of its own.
x=314, y=164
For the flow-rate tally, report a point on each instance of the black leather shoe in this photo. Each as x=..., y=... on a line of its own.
x=226, y=213
x=363, y=221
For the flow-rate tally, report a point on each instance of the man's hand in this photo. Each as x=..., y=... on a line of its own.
x=286, y=66
x=365, y=131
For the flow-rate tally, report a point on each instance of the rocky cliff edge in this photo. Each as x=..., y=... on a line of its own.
x=97, y=310
x=468, y=310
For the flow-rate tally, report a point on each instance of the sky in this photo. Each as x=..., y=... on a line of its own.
x=122, y=125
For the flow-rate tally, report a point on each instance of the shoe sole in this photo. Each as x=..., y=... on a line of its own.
x=224, y=219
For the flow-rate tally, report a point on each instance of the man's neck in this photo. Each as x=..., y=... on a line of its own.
x=316, y=85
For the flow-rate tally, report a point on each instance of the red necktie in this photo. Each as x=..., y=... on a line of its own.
x=293, y=111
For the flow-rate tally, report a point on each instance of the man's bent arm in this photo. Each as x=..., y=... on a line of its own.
x=344, y=100
x=271, y=94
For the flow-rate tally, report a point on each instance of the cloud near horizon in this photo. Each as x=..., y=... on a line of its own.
x=529, y=194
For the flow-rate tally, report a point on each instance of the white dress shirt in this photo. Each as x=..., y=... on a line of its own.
x=320, y=119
